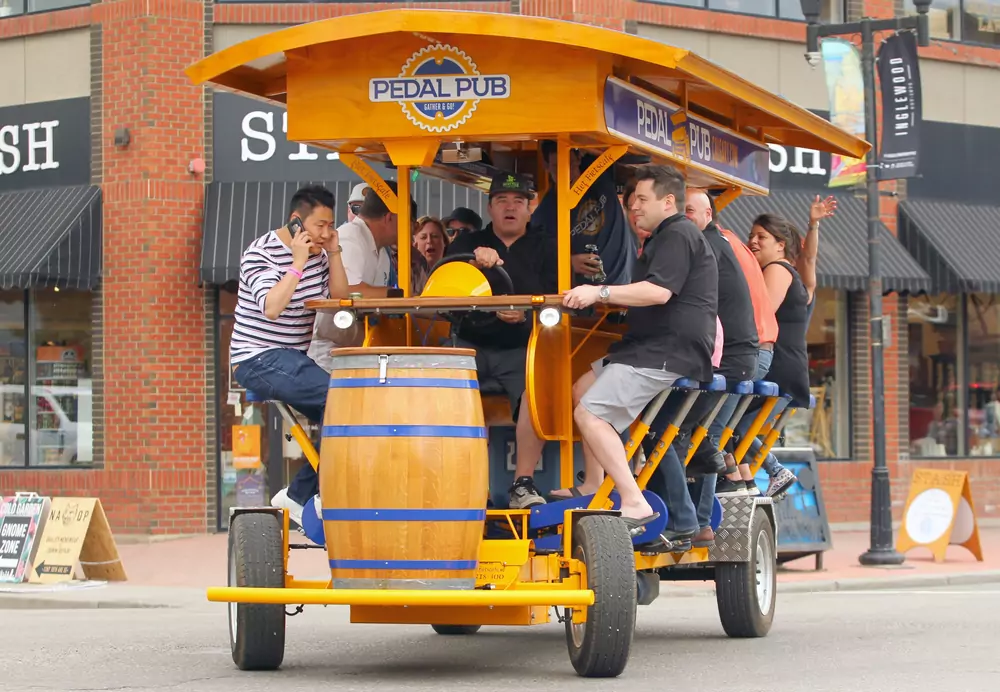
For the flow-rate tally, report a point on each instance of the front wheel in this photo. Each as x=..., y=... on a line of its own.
x=256, y=631
x=746, y=591
x=599, y=648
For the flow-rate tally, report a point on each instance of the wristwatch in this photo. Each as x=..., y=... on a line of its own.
x=605, y=293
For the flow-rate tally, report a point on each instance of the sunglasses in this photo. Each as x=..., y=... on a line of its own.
x=355, y=208
x=452, y=232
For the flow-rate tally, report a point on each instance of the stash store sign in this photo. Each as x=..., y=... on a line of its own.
x=45, y=144
x=249, y=144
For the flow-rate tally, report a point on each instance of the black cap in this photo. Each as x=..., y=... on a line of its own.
x=511, y=182
x=466, y=217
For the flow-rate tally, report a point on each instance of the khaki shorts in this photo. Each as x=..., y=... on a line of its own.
x=621, y=392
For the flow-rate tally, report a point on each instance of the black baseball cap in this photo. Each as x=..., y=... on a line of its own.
x=466, y=217
x=511, y=182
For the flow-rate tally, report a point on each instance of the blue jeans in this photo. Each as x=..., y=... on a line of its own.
x=669, y=481
x=703, y=488
x=771, y=465
x=292, y=377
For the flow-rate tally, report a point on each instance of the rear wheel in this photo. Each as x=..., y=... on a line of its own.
x=746, y=591
x=256, y=631
x=456, y=629
x=599, y=648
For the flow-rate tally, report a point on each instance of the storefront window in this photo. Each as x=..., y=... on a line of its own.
x=944, y=17
x=935, y=373
x=13, y=378
x=826, y=428
x=983, y=318
x=981, y=21
x=9, y=8
x=62, y=388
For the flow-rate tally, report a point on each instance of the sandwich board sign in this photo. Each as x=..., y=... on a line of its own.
x=77, y=532
x=21, y=516
x=939, y=512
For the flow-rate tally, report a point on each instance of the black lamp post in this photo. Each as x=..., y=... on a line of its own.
x=881, y=550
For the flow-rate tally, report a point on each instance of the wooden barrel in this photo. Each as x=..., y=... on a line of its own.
x=404, y=470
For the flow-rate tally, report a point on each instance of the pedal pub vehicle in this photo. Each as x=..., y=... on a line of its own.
x=461, y=95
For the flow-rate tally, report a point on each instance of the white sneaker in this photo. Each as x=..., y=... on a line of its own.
x=282, y=500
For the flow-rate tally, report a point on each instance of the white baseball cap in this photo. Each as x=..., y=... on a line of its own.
x=358, y=193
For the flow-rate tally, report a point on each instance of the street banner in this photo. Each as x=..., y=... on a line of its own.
x=846, y=90
x=899, y=74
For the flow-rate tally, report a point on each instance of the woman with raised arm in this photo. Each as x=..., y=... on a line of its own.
x=789, y=269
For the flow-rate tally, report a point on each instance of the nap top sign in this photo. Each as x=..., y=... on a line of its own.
x=45, y=144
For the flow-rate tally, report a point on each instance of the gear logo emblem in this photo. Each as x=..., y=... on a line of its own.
x=438, y=88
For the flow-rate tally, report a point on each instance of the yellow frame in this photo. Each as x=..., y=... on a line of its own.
x=291, y=66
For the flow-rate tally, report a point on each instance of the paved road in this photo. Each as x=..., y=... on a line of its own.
x=878, y=641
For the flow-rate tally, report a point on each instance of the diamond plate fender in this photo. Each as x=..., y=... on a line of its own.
x=732, y=538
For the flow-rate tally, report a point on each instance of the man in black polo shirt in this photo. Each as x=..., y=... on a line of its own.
x=739, y=354
x=501, y=345
x=671, y=334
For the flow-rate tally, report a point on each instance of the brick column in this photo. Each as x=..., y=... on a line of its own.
x=153, y=307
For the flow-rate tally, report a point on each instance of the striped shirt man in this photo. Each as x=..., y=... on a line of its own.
x=263, y=264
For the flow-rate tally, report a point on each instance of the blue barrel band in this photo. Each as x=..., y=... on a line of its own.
x=407, y=514
x=429, y=382
x=466, y=431
x=405, y=564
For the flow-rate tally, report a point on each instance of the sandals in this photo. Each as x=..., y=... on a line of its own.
x=638, y=526
x=573, y=492
x=669, y=542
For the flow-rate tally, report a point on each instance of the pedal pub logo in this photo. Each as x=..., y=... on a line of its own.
x=438, y=88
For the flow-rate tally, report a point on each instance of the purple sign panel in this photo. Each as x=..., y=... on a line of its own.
x=654, y=123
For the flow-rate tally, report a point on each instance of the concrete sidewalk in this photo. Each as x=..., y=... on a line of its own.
x=175, y=573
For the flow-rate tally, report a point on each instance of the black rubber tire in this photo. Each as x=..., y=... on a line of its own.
x=736, y=586
x=448, y=630
x=603, y=544
x=255, y=541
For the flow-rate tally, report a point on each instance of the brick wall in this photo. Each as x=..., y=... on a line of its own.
x=154, y=310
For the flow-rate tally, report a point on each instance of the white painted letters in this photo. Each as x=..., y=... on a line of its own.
x=10, y=155
x=45, y=145
x=248, y=132
x=38, y=144
x=264, y=133
x=815, y=167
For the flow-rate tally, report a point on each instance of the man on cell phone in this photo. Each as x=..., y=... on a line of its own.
x=279, y=272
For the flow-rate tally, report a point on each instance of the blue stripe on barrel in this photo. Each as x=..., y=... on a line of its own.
x=433, y=382
x=414, y=514
x=405, y=564
x=466, y=431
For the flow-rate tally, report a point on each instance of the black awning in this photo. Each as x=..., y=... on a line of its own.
x=51, y=237
x=236, y=214
x=843, y=240
x=958, y=244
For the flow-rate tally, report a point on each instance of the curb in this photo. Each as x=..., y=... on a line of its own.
x=888, y=583
x=42, y=603
x=34, y=602
x=855, y=584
